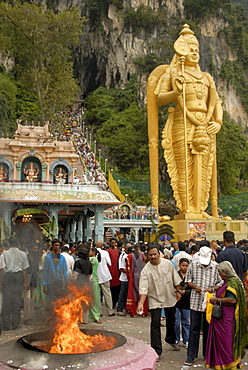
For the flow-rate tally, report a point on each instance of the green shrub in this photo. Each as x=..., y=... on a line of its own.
x=144, y=18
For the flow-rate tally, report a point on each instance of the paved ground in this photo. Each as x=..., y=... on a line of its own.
x=137, y=327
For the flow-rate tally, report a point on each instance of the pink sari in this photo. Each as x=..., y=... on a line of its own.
x=134, y=267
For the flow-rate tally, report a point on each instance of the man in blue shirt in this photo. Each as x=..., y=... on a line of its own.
x=234, y=255
x=55, y=274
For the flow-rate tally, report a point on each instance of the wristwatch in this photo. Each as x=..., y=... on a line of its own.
x=178, y=291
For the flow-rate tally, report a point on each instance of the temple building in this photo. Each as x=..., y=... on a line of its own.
x=43, y=177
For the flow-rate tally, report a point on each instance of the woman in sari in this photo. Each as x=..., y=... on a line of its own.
x=95, y=310
x=227, y=336
x=134, y=265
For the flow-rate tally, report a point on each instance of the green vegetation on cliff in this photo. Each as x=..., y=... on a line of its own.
x=144, y=18
x=232, y=158
x=121, y=127
x=39, y=42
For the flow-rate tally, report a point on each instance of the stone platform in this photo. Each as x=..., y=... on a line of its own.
x=193, y=228
x=133, y=355
x=136, y=327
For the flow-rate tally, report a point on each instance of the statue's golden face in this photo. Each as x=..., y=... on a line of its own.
x=193, y=56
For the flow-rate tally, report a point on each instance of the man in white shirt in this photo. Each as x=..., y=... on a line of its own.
x=124, y=281
x=159, y=280
x=105, y=277
x=14, y=282
x=69, y=261
x=181, y=254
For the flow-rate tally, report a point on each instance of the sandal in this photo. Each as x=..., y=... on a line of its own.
x=120, y=314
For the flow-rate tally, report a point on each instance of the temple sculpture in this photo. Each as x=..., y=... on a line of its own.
x=3, y=174
x=31, y=172
x=189, y=135
x=60, y=176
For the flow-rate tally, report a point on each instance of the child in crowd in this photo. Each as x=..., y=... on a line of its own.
x=183, y=305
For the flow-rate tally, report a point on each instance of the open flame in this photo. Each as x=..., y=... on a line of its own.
x=68, y=338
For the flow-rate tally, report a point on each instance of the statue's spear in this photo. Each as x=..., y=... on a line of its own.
x=182, y=49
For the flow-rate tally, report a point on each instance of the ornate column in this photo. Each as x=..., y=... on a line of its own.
x=6, y=209
x=44, y=167
x=79, y=235
x=15, y=161
x=54, y=212
x=18, y=174
x=99, y=229
x=136, y=230
x=73, y=230
x=47, y=170
x=87, y=228
x=74, y=169
x=67, y=229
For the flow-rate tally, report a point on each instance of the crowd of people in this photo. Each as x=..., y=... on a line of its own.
x=70, y=130
x=177, y=284
x=135, y=214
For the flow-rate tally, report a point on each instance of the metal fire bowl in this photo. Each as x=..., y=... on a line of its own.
x=42, y=341
x=129, y=353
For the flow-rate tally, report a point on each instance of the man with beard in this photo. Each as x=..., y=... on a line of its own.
x=159, y=280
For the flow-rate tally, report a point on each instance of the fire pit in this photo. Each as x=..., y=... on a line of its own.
x=68, y=346
x=43, y=341
x=30, y=353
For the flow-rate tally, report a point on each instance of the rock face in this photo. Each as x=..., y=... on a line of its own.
x=109, y=50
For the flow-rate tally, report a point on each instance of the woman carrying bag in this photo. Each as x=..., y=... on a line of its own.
x=227, y=335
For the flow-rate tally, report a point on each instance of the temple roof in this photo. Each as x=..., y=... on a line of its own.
x=52, y=193
x=41, y=164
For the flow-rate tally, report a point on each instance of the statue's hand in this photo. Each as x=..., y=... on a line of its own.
x=179, y=81
x=213, y=127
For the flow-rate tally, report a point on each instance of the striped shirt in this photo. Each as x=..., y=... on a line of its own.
x=204, y=277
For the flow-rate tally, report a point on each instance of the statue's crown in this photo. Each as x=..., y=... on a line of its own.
x=186, y=30
x=188, y=35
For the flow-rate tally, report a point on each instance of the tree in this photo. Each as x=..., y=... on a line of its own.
x=40, y=43
x=232, y=154
x=202, y=8
x=125, y=138
x=121, y=126
x=8, y=91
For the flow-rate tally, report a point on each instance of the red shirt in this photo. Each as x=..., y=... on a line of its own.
x=114, y=270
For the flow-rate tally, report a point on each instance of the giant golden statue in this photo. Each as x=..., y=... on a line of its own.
x=189, y=135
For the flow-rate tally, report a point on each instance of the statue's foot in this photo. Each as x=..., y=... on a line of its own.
x=206, y=215
x=164, y=218
x=228, y=218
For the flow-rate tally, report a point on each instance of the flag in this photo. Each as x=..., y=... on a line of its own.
x=114, y=187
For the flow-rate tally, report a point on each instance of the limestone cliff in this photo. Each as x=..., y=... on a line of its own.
x=114, y=43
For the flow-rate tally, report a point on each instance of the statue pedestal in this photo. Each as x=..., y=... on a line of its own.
x=209, y=229
x=188, y=216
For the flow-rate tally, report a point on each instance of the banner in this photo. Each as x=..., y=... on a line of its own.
x=197, y=230
x=114, y=187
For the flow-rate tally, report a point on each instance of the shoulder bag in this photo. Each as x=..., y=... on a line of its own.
x=217, y=311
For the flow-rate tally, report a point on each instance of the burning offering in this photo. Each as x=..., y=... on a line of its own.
x=68, y=346
x=68, y=338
